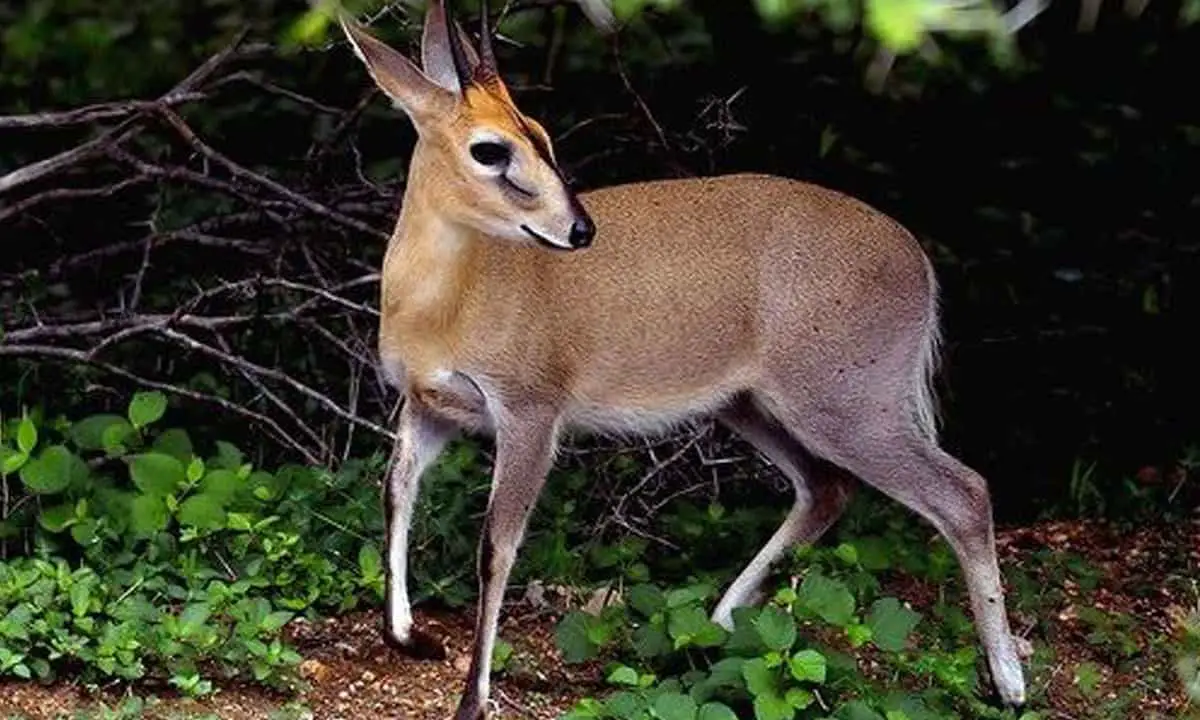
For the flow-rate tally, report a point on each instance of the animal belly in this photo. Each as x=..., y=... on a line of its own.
x=648, y=419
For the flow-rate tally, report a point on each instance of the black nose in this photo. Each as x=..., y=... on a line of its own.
x=583, y=230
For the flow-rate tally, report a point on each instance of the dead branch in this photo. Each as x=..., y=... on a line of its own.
x=79, y=357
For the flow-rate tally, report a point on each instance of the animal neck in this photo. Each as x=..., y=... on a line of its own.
x=429, y=264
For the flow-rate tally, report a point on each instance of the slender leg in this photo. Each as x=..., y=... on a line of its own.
x=822, y=493
x=524, y=454
x=420, y=438
x=913, y=470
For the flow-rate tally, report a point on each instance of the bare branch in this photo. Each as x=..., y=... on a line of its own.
x=92, y=113
x=242, y=173
x=77, y=356
x=243, y=364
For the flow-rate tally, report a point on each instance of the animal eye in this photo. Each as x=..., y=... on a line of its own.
x=491, y=153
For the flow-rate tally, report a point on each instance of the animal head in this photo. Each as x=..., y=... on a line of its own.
x=489, y=166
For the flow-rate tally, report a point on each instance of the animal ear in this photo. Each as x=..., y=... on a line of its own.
x=396, y=75
x=437, y=54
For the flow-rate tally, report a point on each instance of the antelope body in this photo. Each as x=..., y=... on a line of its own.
x=803, y=319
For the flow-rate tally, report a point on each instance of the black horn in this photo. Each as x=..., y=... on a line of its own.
x=461, y=67
x=487, y=55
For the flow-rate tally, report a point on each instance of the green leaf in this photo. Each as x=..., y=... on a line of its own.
x=623, y=675
x=744, y=639
x=53, y=471
x=115, y=436
x=690, y=625
x=674, y=706
x=727, y=671
x=203, y=511
x=774, y=10
x=858, y=634
x=228, y=456
x=571, y=636
x=148, y=514
x=858, y=710
x=715, y=711
x=11, y=460
x=239, y=521
x=193, y=617
x=146, y=408
x=847, y=553
x=873, y=552
x=799, y=698
x=828, y=598
x=27, y=435
x=897, y=23
x=176, y=443
x=88, y=433
x=307, y=29
x=776, y=628
x=891, y=623
x=84, y=531
x=195, y=469
x=808, y=666
x=770, y=706
x=81, y=598
x=221, y=483
x=1088, y=678
x=760, y=679
x=275, y=620
x=156, y=473
x=646, y=599
x=586, y=709
x=370, y=562
x=57, y=518
x=687, y=595
x=650, y=640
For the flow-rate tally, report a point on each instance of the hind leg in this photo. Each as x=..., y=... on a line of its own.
x=822, y=493
x=887, y=450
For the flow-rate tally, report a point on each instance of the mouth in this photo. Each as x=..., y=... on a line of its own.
x=545, y=241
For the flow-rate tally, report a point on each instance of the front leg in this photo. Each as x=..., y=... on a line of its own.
x=421, y=435
x=524, y=454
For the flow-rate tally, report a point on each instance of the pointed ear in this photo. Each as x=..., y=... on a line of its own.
x=395, y=74
x=436, y=56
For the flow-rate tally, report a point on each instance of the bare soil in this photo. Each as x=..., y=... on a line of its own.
x=1150, y=574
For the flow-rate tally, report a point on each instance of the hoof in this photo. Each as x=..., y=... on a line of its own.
x=1008, y=681
x=470, y=711
x=420, y=645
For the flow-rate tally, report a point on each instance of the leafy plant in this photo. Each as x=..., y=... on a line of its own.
x=796, y=656
x=150, y=558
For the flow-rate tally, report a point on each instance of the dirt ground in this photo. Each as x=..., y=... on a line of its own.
x=351, y=674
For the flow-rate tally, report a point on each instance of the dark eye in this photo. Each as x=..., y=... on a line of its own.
x=492, y=154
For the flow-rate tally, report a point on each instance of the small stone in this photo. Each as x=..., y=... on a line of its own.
x=314, y=670
x=462, y=663
x=368, y=676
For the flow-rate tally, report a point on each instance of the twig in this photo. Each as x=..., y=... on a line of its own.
x=80, y=357
x=121, y=132
x=242, y=173
x=32, y=201
x=662, y=137
x=241, y=363
x=92, y=113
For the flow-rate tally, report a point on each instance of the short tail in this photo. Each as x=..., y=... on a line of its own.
x=925, y=400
